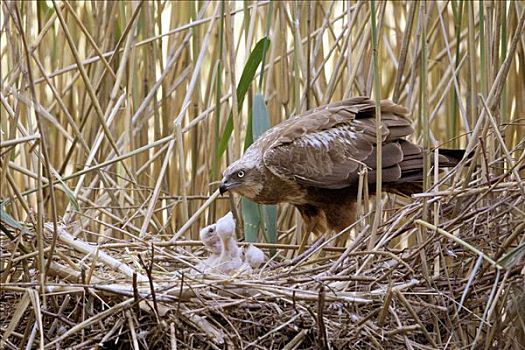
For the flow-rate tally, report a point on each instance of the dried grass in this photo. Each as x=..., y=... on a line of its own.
x=147, y=291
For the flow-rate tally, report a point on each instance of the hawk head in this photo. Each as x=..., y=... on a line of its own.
x=244, y=177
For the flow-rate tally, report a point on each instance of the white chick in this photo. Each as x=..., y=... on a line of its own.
x=212, y=242
x=209, y=238
x=254, y=256
x=230, y=259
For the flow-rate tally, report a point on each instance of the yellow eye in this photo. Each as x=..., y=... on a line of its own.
x=240, y=173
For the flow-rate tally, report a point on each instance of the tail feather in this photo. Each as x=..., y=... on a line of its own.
x=453, y=156
x=411, y=180
x=405, y=188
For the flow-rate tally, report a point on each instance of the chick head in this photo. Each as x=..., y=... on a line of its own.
x=254, y=256
x=226, y=225
x=209, y=238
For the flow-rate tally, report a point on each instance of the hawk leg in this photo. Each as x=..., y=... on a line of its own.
x=339, y=217
x=328, y=218
x=314, y=220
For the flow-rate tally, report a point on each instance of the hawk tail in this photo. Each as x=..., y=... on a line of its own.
x=411, y=180
x=453, y=156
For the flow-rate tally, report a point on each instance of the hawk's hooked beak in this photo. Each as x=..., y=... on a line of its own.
x=223, y=187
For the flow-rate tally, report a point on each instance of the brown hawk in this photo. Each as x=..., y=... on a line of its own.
x=312, y=161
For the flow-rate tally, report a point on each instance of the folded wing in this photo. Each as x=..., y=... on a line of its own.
x=327, y=146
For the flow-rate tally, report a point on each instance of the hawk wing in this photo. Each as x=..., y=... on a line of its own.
x=326, y=146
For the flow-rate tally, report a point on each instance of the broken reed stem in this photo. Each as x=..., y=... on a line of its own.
x=459, y=241
x=379, y=132
x=423, y=119
x=195, y=216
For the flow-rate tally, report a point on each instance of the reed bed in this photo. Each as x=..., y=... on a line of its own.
x=117, y=119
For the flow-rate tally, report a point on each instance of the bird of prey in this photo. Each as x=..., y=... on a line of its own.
x=313, y=160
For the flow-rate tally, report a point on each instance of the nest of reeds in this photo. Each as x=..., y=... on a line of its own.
x=411, y=284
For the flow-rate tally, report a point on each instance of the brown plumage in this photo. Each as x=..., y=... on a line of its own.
x=313, y=160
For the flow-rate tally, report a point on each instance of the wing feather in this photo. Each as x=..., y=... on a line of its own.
x=326, y=146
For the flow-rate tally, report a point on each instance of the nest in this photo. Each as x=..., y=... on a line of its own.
x=411, y=284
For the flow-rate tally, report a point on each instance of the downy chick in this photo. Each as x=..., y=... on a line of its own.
x=253, y=256
x=230, y=259
x=212, y=243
